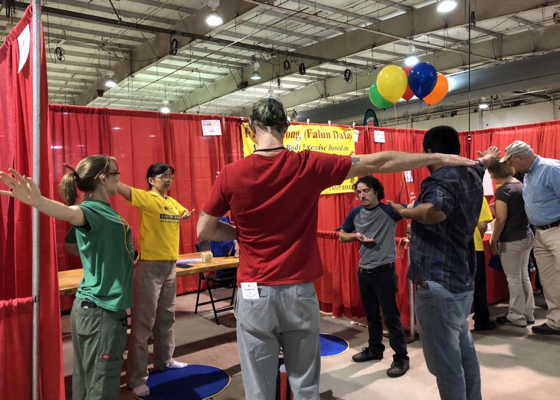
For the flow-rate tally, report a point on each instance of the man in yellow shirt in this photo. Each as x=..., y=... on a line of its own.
x=480, y=303
x=155, y=279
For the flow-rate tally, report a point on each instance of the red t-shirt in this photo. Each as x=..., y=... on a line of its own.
x=274, y=202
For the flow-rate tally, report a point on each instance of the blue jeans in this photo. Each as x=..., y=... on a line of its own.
x=447, y=342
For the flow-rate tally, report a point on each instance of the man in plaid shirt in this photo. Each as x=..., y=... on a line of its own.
x=443, y=265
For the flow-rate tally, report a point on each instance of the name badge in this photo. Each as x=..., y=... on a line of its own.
x=249, y=290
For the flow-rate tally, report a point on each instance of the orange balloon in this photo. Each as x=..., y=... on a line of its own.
x=439, y=92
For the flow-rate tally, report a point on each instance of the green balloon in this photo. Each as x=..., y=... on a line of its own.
x=376, y=98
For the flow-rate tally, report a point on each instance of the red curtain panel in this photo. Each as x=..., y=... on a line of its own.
x=16, y=100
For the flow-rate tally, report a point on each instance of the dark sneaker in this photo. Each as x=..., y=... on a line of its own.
x=488, y=326
x=544, y=329
x=398, y=368
x=367, y=355
x=503, y=320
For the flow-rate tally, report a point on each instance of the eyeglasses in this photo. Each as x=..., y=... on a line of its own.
x=116, y=173
x=166, y=177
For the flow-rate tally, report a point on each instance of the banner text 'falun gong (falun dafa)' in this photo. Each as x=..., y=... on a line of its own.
x=323, y=138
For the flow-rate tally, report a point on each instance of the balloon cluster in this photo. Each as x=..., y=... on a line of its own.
x=394, y=83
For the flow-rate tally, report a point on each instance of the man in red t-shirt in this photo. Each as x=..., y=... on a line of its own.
x=273, y=198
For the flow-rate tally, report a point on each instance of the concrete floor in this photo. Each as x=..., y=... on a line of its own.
x=515, y=364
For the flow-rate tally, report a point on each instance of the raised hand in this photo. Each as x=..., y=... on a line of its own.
x=489, y=156
x=22, y=188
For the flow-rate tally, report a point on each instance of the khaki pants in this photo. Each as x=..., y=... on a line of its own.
x=99, y=341
x=155, y=288
x=285, y=316
x=547, y=253
x=515, y=260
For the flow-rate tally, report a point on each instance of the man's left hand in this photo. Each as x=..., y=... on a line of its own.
x=489, y=156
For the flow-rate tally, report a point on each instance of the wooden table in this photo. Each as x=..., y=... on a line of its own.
x=68, y=281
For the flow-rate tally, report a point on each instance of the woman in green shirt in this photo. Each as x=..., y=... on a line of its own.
x=105, y=245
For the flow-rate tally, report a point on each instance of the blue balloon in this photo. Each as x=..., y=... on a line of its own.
x=422, y=79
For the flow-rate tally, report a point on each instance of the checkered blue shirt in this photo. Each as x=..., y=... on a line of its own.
x=541, y=191
x=444, y=252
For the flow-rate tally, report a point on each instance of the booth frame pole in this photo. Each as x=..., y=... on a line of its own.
x=36, y=71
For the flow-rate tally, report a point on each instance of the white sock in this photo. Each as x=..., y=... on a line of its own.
x=177, y=365
x=141, y=390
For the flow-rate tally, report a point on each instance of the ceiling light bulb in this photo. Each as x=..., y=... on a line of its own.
x=483, y=106
x=411, y=48
x=165, y=110
x=255, y=76
x=110, y=83
x=214, y=19
x=446, y=6
x=411, y=61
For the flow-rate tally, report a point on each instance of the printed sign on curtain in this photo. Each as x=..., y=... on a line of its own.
x=323, y=138
x=211, y=127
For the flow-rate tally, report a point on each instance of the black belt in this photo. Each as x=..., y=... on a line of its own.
x=545, y=227
x=381, y=268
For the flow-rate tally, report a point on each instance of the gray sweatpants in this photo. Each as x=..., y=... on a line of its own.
x=285, y=317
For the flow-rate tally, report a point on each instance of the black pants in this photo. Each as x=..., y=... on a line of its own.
x=480, y=302
x=378, y=291
x=538, y=284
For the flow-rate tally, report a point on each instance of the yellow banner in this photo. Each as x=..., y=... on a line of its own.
x=326, y=139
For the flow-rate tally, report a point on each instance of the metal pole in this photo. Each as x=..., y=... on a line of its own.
x=36, y=25
x=411, y=302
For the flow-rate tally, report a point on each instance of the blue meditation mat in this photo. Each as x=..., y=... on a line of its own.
x=194, y=382
x=332, y=345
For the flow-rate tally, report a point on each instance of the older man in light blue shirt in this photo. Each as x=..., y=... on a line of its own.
x=541, y=192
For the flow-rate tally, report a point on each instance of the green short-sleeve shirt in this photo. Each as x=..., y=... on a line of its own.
x=107, y=254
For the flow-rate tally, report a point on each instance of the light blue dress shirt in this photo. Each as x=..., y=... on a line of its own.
x=541, y=191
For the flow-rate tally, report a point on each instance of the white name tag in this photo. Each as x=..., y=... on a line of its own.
x=249, y=290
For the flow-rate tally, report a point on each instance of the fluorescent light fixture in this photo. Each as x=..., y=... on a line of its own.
x=411, y=61
x=445, y=6
x=110, y=83
x=483, y=106
x=214, y=19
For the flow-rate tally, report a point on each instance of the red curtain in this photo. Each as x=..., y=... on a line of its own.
x=16, y=100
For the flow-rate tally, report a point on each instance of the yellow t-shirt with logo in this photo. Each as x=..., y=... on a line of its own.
x=485, y=215
x=159, y=225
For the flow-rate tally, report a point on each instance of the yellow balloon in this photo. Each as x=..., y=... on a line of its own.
x=392, y=83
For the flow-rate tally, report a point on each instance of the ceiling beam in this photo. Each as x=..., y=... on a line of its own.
x=390, y=3
x=336, y=10
x=136, y=16
x=488, y=32
x=524, y=21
